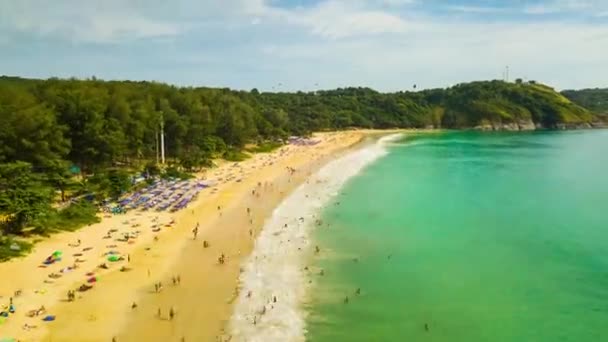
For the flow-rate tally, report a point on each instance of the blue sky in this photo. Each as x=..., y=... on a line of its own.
x=308, y=44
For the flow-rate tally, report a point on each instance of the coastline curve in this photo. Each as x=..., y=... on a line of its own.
x=273, y=283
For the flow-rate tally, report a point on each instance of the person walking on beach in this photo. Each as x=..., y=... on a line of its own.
x=171, y=313
x=195, y=232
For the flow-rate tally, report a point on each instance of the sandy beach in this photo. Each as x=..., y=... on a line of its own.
x=125, y=305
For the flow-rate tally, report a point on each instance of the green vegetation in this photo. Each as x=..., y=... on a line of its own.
x=235, y=155
x=10, y=248
x=596, y=100
x=74, y=216
x=23, y=197
x=265, y=147
x=62, y=139
x=173, y=172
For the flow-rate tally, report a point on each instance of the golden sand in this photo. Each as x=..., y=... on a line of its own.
x=202, y=301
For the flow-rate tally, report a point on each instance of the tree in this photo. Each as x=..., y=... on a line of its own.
x=151, y=169
x=23, y=197
x=119, y=182
x=58, y=175
x=29, y=131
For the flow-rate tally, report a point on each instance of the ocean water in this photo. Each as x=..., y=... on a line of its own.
x=464, y=236
x=277, y=266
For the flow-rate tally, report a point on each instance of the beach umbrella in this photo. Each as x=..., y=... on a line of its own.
x=114, y=258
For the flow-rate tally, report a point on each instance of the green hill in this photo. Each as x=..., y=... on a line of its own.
x=596, y=100
x=511, y=106
x=484, y=105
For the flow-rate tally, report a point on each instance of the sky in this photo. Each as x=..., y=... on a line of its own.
x=287, y=45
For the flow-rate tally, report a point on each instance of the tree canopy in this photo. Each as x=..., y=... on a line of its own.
x=50, y=127
x=97, y=124
x=596, y=100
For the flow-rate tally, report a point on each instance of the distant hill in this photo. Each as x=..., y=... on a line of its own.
x=488, y=105
x=504, y=105
x=596, y=100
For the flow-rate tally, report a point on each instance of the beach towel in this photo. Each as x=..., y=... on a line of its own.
x=49, y=318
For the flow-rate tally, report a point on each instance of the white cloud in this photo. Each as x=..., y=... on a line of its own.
x=539, y=9
x=94, y=21
x=452, y=52
x=561, y=6
x=335, y=19
x=393, y=2
x=476, y=9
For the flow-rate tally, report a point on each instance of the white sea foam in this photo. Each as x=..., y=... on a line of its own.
x=275, y=267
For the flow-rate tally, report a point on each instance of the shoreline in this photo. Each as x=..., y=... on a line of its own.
x=105, y=311
x=275, y=279
x=206, y=307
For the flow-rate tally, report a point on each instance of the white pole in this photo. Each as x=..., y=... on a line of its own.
x=156, y=144
x=162, y=140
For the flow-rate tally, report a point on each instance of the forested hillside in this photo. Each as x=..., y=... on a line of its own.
x=52, y=130
x=596, y=100
x=95, y=124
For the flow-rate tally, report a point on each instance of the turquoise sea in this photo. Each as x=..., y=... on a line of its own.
x=466, y=236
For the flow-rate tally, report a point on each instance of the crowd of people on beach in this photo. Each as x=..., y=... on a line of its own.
x=115, y=257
